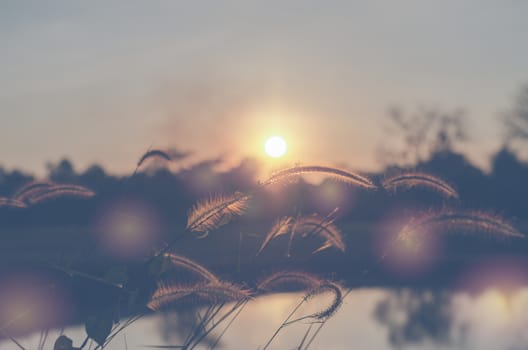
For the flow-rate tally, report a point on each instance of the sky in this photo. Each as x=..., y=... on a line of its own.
x=102, y=81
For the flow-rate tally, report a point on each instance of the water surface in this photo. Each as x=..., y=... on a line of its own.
x=368, y=319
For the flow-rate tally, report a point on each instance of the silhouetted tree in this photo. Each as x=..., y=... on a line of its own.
x=62, y=172
x=11, y=181
x=516, y=119
x=419, y=134
x=507, y=187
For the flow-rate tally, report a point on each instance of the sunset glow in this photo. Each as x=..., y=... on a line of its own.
x=264, y=175
x=275, y=147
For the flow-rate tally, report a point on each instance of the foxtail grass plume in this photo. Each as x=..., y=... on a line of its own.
x=215, y=212
x=312, y=225
x=323, y=227
x=410, y=180
x=11, y=203
x=154, y=153
x=57, y=191
x=167, y=294
x=286, y=278
x=335, y=173
x=447, y=221
x=220, y=292
x=327, y=287
x=31, y=189
x=281, y=227
x=189, y=265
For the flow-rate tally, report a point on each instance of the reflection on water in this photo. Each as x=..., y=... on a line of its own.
x=413, y=317
x=368, y=319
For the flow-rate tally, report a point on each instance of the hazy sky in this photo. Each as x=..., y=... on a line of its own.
x=101, y=81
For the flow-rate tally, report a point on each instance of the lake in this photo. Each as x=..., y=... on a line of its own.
x=370, y=318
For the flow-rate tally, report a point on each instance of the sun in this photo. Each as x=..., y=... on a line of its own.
x=275, y=147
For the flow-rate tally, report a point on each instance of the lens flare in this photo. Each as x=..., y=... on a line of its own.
x=29, y=302
x=129, y=229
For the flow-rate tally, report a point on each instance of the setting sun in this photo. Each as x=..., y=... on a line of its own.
x=275, y=147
